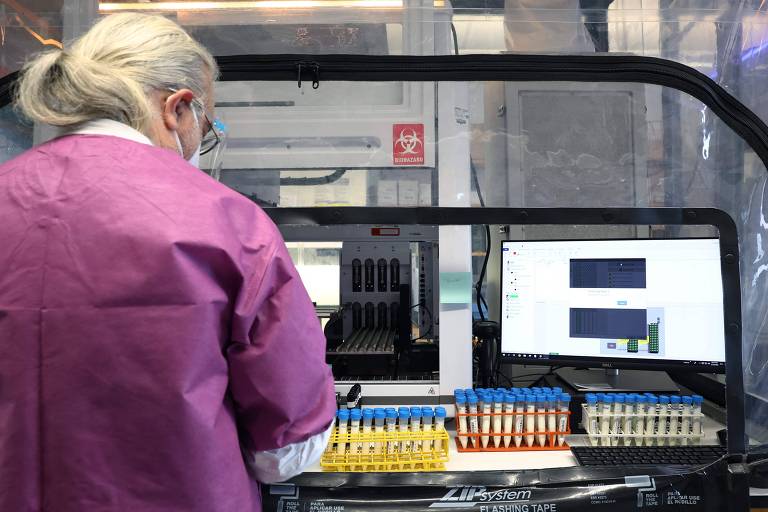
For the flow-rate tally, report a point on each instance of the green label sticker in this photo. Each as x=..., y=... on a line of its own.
x=456, y=287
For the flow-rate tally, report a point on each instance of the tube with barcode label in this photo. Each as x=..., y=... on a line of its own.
x=427, y=419
x=368, y=446
x=638, y=422
x=461, y=427
x=564, y=406
x=498, y=409
x=530, y=419
x=392, y=447
x=675, y=408
x=355, y=447
x=541, y=418
x=606, y=411
x=521, y=404
x=696, y=401
x=341, y=447
x=662, y=424
x=416, y=428
x=486, y=408
x=440, y=414
x=403, y=424
x=593, y=427
x=651, y=415
x=509, y=418
x=473, y=422
x=630, y=402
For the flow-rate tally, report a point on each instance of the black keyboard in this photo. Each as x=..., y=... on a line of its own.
x=647, y=455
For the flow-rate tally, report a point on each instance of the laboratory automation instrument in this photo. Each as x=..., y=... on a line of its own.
x=511, y=419
x=652, y=304
x=388, y=439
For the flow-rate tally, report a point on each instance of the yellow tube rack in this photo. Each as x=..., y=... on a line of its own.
x=386, y=451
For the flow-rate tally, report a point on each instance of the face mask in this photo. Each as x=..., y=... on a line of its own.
x=195, y=158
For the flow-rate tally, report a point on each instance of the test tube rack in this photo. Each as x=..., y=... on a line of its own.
x=425, y=450
x=474, y=440
x=656, y=438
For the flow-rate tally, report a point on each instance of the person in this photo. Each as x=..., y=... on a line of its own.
x=158, y=351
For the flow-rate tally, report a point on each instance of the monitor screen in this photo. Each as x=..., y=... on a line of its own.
x=617, y=303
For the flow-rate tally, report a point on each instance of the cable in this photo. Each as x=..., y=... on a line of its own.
x=455, y=39
x=261, y=202
x=479, y=299
x=321, y=180
x=538, y=375
x=431, y=322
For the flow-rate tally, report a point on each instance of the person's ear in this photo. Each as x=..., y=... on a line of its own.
x=174, y=107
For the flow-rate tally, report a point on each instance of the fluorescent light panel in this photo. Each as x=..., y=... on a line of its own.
x=257, y=4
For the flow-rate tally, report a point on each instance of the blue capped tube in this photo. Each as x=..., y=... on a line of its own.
x=391, y=422
x=563, y=407
x=498, y=411
x=440, y=414
x=474, y=427
x=341, y=446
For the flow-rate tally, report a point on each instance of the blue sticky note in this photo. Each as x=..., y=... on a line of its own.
x=456, y=287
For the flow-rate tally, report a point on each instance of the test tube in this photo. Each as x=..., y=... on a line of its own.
x=638, y=422
x=674, y=411
x=662, y=424
x=375, y=417
x=685, y=420
x=427, y=419
x=498, y=406
x=541, y=418
x=368, y=445
x=695, y=411
x=355, y=446
x=651, y=414
x=592, y=426
x=391, y=418
x=440, y=414
x=530, y=418
x=473, y=426
x=629, y=414
x=416, y=428
x=341, y=447
x=605, y=420
x=509, y=418
x=461, y=409
x=487, y=401
x=552, y=408
x=521, y=404
x=404, y=417
x=617, y=418
x=564, y=406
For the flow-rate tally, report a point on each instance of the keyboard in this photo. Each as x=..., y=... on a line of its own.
x=647, y=455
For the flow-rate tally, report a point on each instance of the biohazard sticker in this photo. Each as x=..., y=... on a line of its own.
x=408, y=144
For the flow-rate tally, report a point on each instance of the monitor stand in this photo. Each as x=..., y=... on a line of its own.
x=615, y=381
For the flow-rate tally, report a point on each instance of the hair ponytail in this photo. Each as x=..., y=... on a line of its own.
x=110, y=71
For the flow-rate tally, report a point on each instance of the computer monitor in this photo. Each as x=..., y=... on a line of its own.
x=653, y=304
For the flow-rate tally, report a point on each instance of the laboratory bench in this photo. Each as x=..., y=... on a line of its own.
x=523, y=460
x=554, y=473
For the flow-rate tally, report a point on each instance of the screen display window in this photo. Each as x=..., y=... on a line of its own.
x=658, y=301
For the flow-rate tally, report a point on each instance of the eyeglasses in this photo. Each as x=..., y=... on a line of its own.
x=215, y=133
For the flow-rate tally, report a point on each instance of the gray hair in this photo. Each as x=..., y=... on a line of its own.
x=110, y=71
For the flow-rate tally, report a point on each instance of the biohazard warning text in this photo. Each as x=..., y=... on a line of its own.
x=408, y=144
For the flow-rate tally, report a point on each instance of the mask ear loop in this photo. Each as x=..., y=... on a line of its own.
x=197, y=128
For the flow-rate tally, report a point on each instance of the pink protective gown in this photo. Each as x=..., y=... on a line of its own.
x=148, y=316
